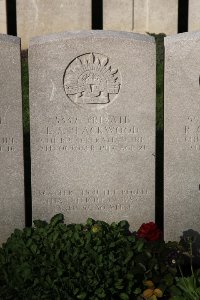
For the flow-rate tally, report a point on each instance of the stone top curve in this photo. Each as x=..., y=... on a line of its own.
x=185, y=36
x=58, y=37
x=10, y=39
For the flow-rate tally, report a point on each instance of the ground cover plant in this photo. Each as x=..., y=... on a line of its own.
x=92, y=261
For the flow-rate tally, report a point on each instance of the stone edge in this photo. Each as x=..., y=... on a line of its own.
x=57, y=37
x=185, y=36
x=9, y=39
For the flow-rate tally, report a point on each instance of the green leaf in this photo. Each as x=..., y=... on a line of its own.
x=55, y=236
x=40, y=224
x=100, y=293
x=28, y=231
x=81, y=296
x=124, y=224
x=33, y=248
x=168, y=279
x=124, y=296
x=129, y=256
x=90, y=221
x=119, y=284
x=140, y=245
x=59, y=218
x=175, y=291
x=137, y=291
x=24, y=271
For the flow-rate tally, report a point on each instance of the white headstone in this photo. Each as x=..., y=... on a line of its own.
x=154, y=16
x=39, y=17
x=92, y=110
x=162, y=16
x=3, y=18
x=118, y=15
x=140, y=18
x=193, y=15
x=12, y=205
x=182, y=134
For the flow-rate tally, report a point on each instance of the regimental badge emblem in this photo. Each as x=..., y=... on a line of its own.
x=90, y=80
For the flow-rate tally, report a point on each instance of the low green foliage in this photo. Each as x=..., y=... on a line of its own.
x=187, y=288
x=81, y=261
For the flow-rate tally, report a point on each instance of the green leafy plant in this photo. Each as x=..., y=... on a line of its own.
x=80, y=261
x=187, y=288
x=94, y=261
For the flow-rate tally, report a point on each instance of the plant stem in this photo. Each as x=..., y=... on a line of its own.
x=191, y=264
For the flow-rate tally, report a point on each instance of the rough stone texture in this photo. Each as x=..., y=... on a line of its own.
x=182, y=138
x=162, y=16
x=118, y=15
x=3, y=18
x=11, y=146
x=193, y=16
x=39, y=17
x=154, y=16
x=92, y=109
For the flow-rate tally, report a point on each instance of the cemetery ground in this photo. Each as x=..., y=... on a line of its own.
x=98, y=261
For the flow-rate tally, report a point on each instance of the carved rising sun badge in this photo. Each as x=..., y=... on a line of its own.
x=90, y=79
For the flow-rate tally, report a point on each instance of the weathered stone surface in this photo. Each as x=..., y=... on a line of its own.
x=92, y=109
x=182, y=138
x=140, y=18
x=3, y=18
x=38, y=17
x=118, y=15
x=154, y=16
x=193, y=16
x=11, y=146
x=162, y=16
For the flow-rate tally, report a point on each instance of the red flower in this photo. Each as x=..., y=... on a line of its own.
x=150, y=232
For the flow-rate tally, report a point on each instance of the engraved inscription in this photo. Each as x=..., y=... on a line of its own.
x=91, y=80
x=7, y=144
x=192, y=133
x=91, y=200
x=94, y=134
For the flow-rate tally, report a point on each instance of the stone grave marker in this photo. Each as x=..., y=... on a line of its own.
x=39, y=17
x=193, y=15
x=154, y=16
x=12, y=206
x=92, y=110
x=118, y=15
x=182, y=134
x=162, y=16
x=3, y=18
x=140, y=16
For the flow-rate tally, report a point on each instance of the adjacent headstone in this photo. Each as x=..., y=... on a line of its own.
x=154, y=16
x=3, y=18
x=118, y=15
x=140, y=18
x=39, y=17
x=193, y=15
x=162, y=16
x=92, y=110
x=12, y=206
x=182, y=134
